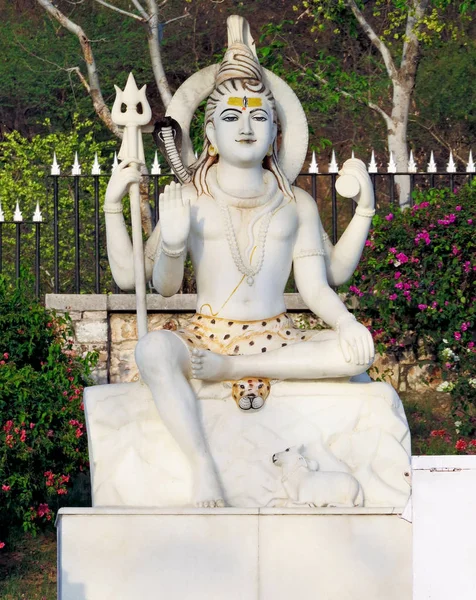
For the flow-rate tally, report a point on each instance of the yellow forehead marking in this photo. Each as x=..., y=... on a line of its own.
x=244, y=102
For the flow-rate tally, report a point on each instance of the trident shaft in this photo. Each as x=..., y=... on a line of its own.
x=137, y=114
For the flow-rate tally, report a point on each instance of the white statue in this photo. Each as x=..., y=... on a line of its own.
x=306, y=485
x=244, y=227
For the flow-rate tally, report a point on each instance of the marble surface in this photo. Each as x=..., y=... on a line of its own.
x=250, y=554
x=444, y=527
x=358, y=428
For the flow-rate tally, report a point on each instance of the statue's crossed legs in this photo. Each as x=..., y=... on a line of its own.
x=167, y=361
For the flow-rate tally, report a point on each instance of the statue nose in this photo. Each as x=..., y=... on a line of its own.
x=246, y=128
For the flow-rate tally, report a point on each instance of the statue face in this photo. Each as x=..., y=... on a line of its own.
x=242, y=128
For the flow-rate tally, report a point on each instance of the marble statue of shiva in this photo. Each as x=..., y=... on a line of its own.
x=244, y=227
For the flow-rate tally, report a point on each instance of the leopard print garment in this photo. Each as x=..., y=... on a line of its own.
x=228, y=337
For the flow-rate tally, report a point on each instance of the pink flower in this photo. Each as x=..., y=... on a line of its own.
x=355, y=290
x=32, y=425
x=472, y=443
x=455, y=250
x=458, y=208
x=403, y=258
x=44, y=510
x=392, y=250
x=397, y=275
x=470, y=221
x=399, y=285
x=6, y=356
x=389, y=217
x=2, y=545
x=438, y=433
x=393, y=297
x=461, y=445
x=470, y=344
x=422, y=306
x=457, y=335
x=464, y=326
x=6, y=488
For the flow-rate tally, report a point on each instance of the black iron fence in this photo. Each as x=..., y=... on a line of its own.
x=64, y=248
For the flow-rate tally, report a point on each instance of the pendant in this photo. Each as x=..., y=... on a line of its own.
x=250, y=280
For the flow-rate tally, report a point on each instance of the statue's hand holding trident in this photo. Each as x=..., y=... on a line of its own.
x=132, y=154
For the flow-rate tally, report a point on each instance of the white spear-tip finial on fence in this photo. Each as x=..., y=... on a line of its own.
x=115, y=163
x=37, y=217
x=432, y=168
x=55, y=168
x=392, y=165
x=96, y=168
x=451, y=166
x=412, y=166
x=333, y=166
x=373, y=164
x=352, y=155
x=470, y=167
x=76, y=170
x=156, y=170
x=17, y=216
x=196, y=155
x=313, y=166
x=2, y=214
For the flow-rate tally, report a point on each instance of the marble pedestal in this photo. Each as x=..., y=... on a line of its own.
x=358, y=428
x=233, y=554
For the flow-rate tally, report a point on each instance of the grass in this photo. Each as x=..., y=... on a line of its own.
x=28, y=569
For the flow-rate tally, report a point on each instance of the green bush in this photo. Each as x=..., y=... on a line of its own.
x=43, y=445
x=416, y=281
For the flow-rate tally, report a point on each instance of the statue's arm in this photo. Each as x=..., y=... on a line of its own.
x=309, y=263
x=343, y=258
x=119, y=245
x=353, y=338
x=171, y=249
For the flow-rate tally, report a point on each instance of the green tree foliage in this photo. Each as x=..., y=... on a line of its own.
x=24, y=177
x=43, y=447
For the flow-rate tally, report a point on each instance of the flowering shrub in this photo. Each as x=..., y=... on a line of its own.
x=416, y=281
x=42, y=437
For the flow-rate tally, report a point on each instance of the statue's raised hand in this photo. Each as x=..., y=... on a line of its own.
x=123, y=176
x=356, y=342
x=174, y=211
x=356, y=168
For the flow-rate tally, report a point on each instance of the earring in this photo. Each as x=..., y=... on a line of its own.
x=212, y=151
x=270, y=150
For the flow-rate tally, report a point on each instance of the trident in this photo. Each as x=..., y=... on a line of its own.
x=132, y=120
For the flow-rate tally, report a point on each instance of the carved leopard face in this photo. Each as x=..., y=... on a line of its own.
x=251, y=393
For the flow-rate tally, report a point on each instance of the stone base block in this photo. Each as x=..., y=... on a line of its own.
x=233, y=554
x=358, y=428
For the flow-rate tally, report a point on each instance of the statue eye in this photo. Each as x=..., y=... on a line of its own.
x=230, y=118
x=260, y=118
x=287, y=449
x=260, y=386
x=242, y=386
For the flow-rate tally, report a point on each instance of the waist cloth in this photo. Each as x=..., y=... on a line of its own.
x=232, y=338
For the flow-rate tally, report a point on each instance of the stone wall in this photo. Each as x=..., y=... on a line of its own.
x=107, y=324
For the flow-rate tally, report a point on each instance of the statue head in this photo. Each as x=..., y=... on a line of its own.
x=241, y=121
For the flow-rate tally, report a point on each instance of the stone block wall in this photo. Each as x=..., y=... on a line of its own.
x=107, y=324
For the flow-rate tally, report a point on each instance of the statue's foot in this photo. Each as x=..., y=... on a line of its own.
x=207, y=490
x=210, y=366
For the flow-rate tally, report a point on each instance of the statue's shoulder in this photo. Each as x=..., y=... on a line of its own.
x=305, y=203
x=189, y=192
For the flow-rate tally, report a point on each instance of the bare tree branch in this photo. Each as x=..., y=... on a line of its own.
x=374, y=38
x=139, y=7
x=119, y=10
x=410, y=53
x=321, y=79
x=439, y=139
x=93, y=79
x=155, y=54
